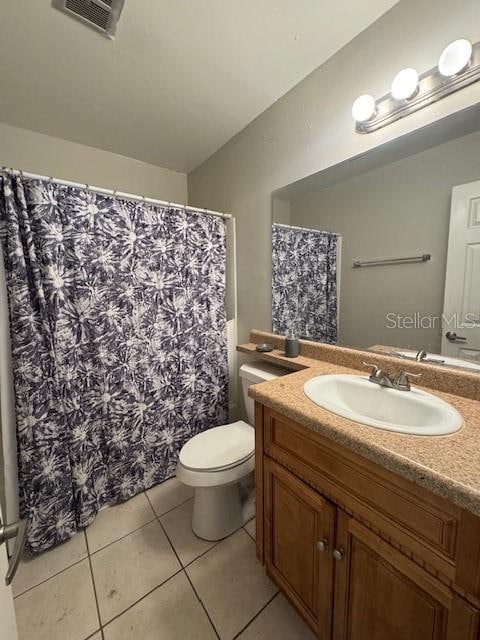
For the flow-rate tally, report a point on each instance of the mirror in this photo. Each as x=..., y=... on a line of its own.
x=383, y=252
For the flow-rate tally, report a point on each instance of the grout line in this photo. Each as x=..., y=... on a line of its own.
x=247, y=531
x=83, y=530
x=19, y=595
x=145, y=595
x=180, y=504
x=122, y=537
x=215, y=544
x=202, y=605
x=190, y=582
x=155, y=517
x=204, y=553
x=181, y=569
x=94, y=587
x=184, y=566
x=256, y=615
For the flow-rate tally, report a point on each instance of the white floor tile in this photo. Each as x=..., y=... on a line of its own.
x=168, y=495
x=115, y=522
x=171, y=612
x=131, y=567
x=178, y=525
x=231, y=583
x=62, y=607
x=278, y=621
x=35, y=569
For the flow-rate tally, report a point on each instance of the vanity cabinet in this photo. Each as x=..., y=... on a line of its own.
x=299, y=528
x=361, y=553
x=380, y=594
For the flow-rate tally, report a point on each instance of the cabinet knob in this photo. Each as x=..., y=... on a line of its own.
x=322, y=544
x=338, y=554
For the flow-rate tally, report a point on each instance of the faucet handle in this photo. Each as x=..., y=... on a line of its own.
x=374, y=368
x=402, y=383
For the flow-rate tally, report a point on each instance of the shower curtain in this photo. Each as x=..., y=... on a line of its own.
x=304, y=283
x=119, y=347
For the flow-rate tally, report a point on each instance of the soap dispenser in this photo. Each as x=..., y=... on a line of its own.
x=291, y=344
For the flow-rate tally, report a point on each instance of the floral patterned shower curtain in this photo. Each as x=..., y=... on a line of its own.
x=118, y=327
x=304, y=283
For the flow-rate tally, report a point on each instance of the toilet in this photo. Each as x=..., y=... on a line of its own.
x=219, y=464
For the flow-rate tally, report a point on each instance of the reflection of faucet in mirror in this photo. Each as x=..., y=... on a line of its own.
x=420, y=356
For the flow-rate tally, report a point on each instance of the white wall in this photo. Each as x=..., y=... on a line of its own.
x=311, y=129
x=38, y=153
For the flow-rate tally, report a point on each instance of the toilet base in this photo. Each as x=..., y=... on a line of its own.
x=219, y=511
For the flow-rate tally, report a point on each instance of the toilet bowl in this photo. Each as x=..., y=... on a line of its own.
x=219, y=464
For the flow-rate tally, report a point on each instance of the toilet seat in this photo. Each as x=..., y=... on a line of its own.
x=219, y=449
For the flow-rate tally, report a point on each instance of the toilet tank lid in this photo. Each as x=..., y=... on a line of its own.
x=260, y=371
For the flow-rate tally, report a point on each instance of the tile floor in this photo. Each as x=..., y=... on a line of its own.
x=138, y=572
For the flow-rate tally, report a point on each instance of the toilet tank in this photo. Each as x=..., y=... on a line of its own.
x=255, y=372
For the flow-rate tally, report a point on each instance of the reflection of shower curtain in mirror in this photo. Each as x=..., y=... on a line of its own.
x=304, y=283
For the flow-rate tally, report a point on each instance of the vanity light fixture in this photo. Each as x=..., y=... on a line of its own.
x=363, y=108
x=405, y=84
x=458, y=66
x=455, y=58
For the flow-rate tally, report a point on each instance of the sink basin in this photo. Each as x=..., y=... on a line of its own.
x=354, y=397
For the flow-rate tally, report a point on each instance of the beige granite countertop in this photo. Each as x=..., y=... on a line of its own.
x=446, y=465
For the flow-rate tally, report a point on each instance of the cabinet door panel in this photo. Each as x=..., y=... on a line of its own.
x=381, y=594
x=296, y=520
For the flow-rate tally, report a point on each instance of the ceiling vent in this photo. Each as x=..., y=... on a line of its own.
x=101, y=15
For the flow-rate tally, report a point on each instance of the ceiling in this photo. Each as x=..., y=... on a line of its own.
x=180, y=79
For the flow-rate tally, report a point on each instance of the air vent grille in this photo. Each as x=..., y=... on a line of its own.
x=100, y=14
x=90, y=11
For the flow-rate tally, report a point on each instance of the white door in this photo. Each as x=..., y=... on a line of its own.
x=8, y=626
x=461, y=310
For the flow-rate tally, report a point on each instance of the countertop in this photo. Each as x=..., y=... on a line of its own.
x=446, y=465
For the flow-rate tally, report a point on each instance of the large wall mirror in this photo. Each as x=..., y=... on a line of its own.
x=383, y=252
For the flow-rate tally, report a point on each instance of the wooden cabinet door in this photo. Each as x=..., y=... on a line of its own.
x=382, y=595
x=299, y=536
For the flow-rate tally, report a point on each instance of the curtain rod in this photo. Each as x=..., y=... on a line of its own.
x=291, y=226
x=116, y=194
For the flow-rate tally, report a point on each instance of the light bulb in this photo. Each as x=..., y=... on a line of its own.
x=363, y=108
x=455, y=58
x=405, y=84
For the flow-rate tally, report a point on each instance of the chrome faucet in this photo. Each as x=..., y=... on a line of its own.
x=420, y=356
x=381, y=377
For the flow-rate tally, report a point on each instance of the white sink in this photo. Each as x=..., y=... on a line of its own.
x=354, y=397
